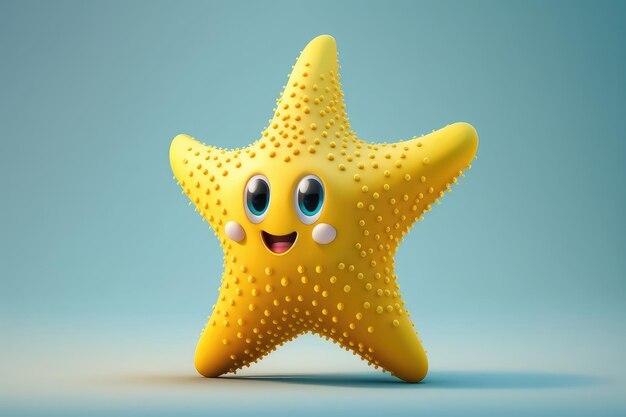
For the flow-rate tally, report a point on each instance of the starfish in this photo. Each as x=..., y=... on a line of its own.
x=309, y=218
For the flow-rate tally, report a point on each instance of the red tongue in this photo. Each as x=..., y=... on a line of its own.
x=280, y=247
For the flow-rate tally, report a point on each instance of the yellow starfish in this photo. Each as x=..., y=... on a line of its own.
x=309, y=217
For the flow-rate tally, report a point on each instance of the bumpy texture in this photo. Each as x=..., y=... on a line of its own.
x=336, y=277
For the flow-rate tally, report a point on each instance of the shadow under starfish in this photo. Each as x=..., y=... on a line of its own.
x=498, y=380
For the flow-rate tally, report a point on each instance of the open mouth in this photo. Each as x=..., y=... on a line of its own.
x=279, y=244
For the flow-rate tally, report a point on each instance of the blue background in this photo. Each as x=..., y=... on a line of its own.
x=516, y=281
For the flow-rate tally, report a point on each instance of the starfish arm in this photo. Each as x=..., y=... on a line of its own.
x=206, y=175
x=416, y=173
x=384, y=339
x=401, y=354
x=253, y=315
x=394, y=346
x=222, y=350
x=247, y=323
x=437, y=160
x=433, y=163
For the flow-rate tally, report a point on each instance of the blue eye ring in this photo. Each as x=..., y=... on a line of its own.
x=309, y=199
x=256, y=198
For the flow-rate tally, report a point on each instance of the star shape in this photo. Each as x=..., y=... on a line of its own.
x=309, y=217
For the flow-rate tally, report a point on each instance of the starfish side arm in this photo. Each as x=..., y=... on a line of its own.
x=436, y=160
x=204, y=173
x=422, y=170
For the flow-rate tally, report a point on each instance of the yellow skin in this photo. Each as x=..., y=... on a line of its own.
x=344, y=290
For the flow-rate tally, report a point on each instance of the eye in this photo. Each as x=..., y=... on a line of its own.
x=256, y=198
x=309, y=199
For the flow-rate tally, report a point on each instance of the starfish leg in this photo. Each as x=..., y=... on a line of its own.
x=247, y=323
x=397, y=350
x=383, y=337
x=223, y=349
x=216, y=355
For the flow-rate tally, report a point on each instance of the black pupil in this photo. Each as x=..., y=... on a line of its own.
x=257, y=194
x=310, y=194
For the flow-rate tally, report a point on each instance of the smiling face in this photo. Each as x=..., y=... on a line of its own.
x=308, y=204
x=263, y=208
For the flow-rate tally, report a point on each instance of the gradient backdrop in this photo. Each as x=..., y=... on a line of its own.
x=516, y=282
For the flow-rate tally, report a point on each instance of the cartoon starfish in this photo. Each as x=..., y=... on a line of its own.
x=310, y=217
